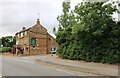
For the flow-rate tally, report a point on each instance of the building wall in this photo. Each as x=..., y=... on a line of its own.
x=51, y=42
x=24, y=41
x=43, y=40
x=40, y=34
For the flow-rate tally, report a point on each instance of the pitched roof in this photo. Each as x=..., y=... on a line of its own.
x=30, y=28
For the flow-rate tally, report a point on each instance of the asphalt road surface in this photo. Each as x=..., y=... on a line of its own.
x=22, y=66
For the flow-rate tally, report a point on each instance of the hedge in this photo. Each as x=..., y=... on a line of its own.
x=5, y=49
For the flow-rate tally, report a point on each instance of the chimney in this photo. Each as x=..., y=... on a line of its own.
x=38, y=22
x=23, y=28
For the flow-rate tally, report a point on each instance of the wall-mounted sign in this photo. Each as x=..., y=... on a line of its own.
x=33, y=41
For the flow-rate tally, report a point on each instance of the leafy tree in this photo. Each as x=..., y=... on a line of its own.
x=64, y=18
x=95, y=31
x=0, y=42
x=8, y=41
x=89, y=33
x=4, y=41
x=14, y=40
x=64, y=23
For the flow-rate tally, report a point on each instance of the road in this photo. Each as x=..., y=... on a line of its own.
x=24, y=66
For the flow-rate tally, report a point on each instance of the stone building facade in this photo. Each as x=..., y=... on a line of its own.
x=35, y=40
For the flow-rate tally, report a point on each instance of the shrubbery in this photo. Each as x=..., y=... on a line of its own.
x=5, y=49
x=89, y=33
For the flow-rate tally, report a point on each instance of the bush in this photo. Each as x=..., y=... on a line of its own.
x=5, y=49
x=89, y=33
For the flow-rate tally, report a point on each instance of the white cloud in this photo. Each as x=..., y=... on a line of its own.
x=18, y=13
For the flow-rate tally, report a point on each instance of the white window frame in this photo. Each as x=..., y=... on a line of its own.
x=25, y=33
x=22, y=34
x=18, y=35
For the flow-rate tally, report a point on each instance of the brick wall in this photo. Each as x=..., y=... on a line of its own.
x=43, y=40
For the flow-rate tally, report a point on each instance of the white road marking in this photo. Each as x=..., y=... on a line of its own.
x=70, y=72
x=65, y=71
x=26, y=61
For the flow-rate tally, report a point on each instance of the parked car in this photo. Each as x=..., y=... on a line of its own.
x=53, y=50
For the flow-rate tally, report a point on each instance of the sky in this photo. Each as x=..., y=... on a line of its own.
x=15, y=14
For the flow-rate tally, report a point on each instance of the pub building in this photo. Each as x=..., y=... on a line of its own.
x=34, y=40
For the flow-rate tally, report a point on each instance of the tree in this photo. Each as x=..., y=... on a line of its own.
x=89, y=33
x=4, y=41
x=8, y=41
x=95, y=31
x=64, y=23
x=0, y=42
x=14, y=40
x=64, y=18
x=54, y=31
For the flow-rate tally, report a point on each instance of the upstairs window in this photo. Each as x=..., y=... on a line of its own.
x=21, y=34
x=25, y=33
x=18, y=35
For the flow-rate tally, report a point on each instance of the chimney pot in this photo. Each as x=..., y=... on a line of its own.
x=38, y=22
